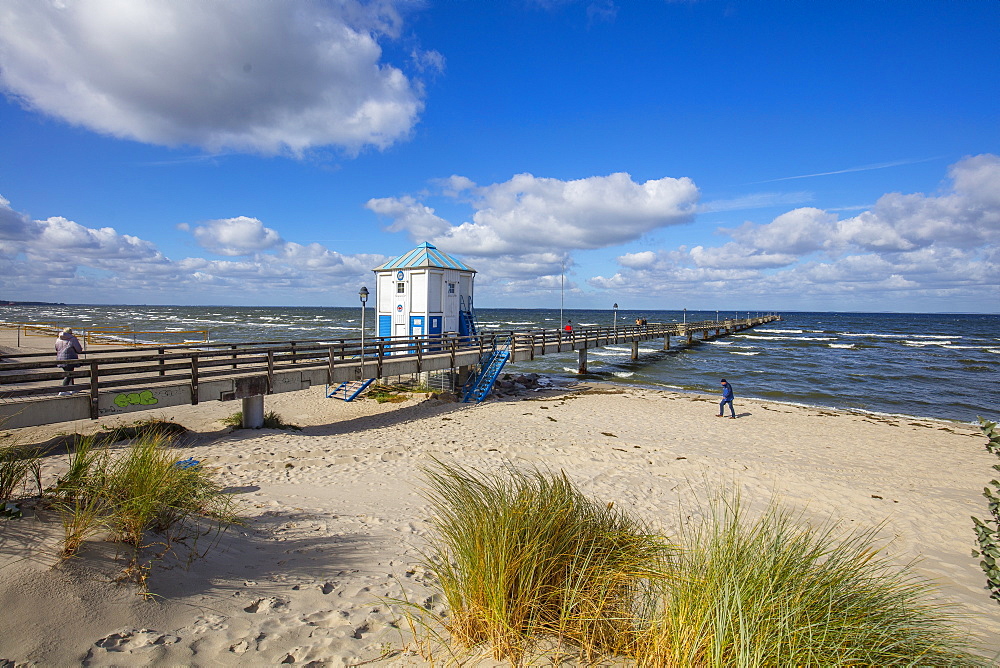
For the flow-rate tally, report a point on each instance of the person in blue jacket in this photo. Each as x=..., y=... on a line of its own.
x=727, y=398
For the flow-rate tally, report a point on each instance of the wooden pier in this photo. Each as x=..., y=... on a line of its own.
x=120, y=381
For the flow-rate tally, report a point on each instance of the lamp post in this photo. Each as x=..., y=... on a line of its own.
x=685, y=317
x=615, y=307
x=562, y=293
x=363, y=294
x=716, y=316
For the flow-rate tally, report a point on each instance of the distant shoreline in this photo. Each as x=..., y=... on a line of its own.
x=691, y=312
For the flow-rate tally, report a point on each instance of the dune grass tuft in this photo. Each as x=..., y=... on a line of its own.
x=137, y=491
x=775, y=591
x=17, y=466
x=528, y=564
x=271, y=421
x=525, y=557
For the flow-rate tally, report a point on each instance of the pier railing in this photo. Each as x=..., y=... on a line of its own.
x=104, y=368
x=127, y=378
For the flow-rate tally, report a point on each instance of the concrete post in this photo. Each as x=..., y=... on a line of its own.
x=582, y=361
x=635, y=350
x=464, y=372
x=253, y=412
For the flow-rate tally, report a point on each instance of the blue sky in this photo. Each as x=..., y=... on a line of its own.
x=703, y=155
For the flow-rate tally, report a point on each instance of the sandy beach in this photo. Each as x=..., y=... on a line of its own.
x=336, y=523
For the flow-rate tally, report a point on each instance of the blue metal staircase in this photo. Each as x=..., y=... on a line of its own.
x=490, y=365
x=467, y=317
x=468, y=323
x=349, y=390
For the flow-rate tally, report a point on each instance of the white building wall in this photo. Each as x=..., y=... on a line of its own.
x=386, y=289
x=435, y=291
x=418, y=291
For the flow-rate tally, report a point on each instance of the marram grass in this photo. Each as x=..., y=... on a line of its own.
x=525, y=557
x=136, y=490
x=774, y=591
x=526, y=561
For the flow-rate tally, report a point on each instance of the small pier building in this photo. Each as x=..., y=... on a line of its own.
x=424, y=292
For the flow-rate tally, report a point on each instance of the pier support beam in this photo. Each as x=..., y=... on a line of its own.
x=462, y=377
x=666, y=342
x=253, y=412
x=635, y=350
x=582, y=355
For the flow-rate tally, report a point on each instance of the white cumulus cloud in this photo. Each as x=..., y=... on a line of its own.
x=915, y=245
x=255, y=75
x=60, y=259
x=236, y=236
x=529, y=214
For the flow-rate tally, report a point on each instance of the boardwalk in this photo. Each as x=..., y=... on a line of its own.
x=119, y=381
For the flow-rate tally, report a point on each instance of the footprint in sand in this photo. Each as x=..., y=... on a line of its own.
x=131, y=640
x=326, y=619
x=240, y=648
x=270, y=604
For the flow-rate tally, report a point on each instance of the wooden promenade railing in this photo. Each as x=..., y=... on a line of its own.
x=116, y=380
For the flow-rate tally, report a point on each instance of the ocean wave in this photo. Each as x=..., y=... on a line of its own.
x=781, y=331
x=524, y=323
x=720, y=343
x=623, y=374
x=787, y=338
x=737, y=352
x=842, y=345
x=875, y=335
x=993, y=350
x=909, y=342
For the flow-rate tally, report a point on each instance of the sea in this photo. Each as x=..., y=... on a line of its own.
x=944, y=366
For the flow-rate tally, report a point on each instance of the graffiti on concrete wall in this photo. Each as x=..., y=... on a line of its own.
x=144, y=398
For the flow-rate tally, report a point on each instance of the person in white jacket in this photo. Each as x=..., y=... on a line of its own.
x=67, y=348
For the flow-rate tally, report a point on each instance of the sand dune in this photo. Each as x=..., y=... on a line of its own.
x=336, y=521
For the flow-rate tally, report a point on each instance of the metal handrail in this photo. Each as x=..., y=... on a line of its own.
x=108, y=368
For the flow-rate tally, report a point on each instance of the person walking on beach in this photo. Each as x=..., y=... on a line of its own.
x=67, y=348
x=727, y=398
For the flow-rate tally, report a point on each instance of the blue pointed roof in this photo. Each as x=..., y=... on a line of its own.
x=425, y=255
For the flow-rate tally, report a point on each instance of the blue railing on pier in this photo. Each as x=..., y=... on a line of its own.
x=487, y=371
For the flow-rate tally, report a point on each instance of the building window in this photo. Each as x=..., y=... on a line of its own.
x=400, y=288
x=451, y=288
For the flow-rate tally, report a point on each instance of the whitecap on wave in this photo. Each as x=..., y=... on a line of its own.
x=622, y=374
x=842, y=345
x=736, y=352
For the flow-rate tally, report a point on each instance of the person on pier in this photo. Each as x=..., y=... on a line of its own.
x=67, y=348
